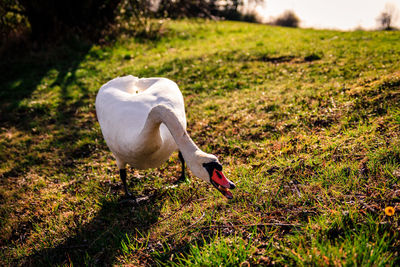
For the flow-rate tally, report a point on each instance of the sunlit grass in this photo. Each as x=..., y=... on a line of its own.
x=306, y=123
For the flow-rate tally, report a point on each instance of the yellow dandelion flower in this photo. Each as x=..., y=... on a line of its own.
x=389, y=211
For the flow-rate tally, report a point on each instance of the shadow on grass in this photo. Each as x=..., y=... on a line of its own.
x=58, y=137
x=43, y=129
x=99, y=241
x=23, y=73
x=21, y=76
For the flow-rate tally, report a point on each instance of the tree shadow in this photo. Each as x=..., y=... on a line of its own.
x=21, y=77
x=24, y=72
x=99, y=241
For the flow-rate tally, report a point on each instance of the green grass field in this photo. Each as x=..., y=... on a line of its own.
x=306, y=123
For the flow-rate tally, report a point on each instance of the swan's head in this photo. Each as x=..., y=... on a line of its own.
x=207, y=167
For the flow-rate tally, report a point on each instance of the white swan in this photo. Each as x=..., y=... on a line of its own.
x=143, y=121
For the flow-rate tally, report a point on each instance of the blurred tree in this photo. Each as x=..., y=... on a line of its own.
x=387, y=17
x=287, y=19
x=385, y=20
x=47, y=17
x=136, y=18
x=52, y=20
x=228, y=9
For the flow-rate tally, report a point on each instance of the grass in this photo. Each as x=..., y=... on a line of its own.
x=306, y=123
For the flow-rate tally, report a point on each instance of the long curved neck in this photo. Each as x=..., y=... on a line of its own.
x=163, y=114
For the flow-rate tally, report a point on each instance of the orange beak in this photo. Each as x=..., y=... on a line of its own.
x=219, y=181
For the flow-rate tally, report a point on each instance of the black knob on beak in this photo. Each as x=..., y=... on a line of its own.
x=232, y=185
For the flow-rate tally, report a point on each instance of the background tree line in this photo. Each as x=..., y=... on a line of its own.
x=48, y=19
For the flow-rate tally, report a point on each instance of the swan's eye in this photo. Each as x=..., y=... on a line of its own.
x=211, y=166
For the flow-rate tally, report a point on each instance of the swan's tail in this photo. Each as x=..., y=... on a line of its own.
x=126, y=83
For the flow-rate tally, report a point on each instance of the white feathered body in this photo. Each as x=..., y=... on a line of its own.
x=123, y=105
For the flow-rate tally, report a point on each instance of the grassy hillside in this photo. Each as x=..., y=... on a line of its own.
x=305, y=122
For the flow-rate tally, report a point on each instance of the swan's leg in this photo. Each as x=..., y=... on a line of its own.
x=122, y=174
x=183, y=176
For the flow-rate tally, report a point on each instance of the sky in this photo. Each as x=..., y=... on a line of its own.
x=331, y=14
